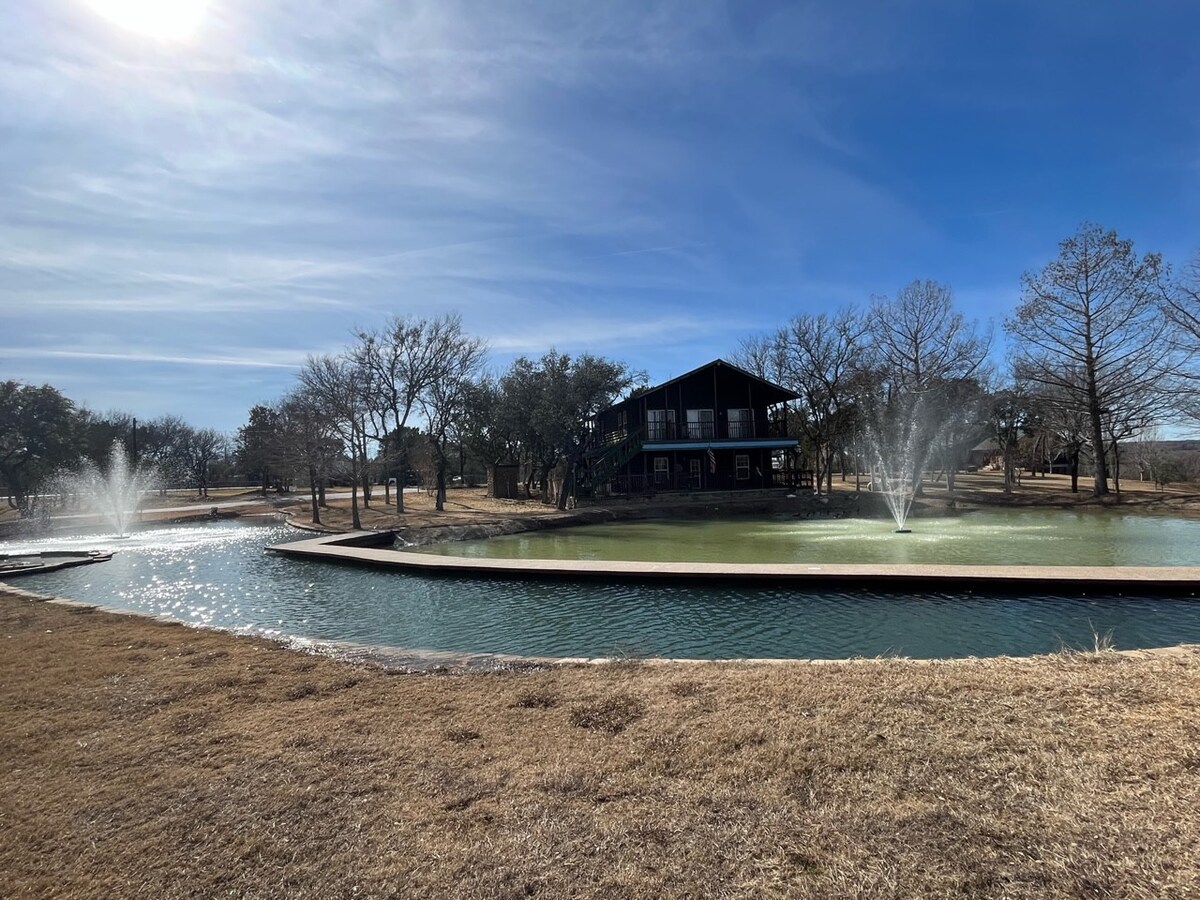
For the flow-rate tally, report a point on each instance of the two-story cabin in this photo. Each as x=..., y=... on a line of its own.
x=716, y=428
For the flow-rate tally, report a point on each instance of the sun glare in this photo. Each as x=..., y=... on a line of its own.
x=173, y=20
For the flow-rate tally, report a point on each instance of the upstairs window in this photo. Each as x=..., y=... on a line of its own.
x=741, y=423
x=701, y=425
x=660, y=424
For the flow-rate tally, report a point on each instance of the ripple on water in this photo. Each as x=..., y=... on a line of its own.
x=217, y=574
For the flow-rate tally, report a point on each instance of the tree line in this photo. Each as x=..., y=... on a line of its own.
x=1102, y=350
x=44, y=432
x=355, y=414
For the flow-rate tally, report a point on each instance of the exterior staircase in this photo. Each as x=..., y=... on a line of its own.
x=606, y=459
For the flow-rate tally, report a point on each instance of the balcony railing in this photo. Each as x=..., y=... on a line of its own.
x=637, y=485
x=714, y=431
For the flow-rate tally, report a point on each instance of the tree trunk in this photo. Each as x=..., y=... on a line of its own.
x=568, y=482
x=366, y=488
x=545, y=482
x=321, y=492
x=401, y=480
x=312, y=490
x=1075, y=471
x=1101, y=466
x=950, y=479
x=1116, y=451
x=355, y=521
x=440, y=503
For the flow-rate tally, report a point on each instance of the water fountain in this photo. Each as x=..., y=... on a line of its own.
x=114, y=494
x=899, y=444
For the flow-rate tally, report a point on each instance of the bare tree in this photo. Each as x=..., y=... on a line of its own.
x=1181, y=303
x=817, y=357
x=961, y=414
x=759, y=355
x=921, y=352
x=401, y=362
x=313, y=443
x=920, y=341
x=1007, y=416
x=1090, y=327
x=201, y=447
x=458, y=358
x=334, y=385
x=1065, y=421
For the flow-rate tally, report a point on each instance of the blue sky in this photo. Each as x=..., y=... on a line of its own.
x=185, y=219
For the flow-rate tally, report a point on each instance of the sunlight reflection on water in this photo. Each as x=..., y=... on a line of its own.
x=217, y=574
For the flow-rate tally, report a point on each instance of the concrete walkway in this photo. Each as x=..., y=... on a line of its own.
x=374, y=548
x=49, y=561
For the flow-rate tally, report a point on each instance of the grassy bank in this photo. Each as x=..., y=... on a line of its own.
x=144, y=759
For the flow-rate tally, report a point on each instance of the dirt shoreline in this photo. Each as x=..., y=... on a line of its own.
x=145, y=758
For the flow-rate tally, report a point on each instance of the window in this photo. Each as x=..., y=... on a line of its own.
x=662, y=471
x=660, y=424
x=741, y=466
x=700, y=425
x=741, y=423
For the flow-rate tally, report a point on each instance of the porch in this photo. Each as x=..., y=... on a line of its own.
x=692, y=482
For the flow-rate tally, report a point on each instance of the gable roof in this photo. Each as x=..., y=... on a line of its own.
x=780, y=394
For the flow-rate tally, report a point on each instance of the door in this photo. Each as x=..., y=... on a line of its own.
x=700, y=425
x=741, y=424
x=660, y=424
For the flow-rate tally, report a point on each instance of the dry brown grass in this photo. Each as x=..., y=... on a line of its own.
x=464, y=506
x=987, y=489
x=473, y=506
x=150, y=760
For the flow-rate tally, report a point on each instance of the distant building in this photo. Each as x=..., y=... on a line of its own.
x=986, y=454
x=716, y=428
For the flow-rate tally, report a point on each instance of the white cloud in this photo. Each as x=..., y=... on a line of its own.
x=259, y=359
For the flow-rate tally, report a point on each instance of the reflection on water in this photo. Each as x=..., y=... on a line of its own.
x=217, y=574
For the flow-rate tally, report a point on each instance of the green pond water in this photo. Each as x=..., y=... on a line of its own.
x=984, y=537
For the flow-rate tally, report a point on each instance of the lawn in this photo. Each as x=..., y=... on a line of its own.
x=148, y=759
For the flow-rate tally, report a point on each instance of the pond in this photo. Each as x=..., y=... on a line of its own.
x=1028, y=537
x=217, y=575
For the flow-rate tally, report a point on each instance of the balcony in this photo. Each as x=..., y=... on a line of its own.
x=680, y=482
x=714, y=431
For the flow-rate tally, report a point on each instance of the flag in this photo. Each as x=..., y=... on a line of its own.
x=712, y=462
